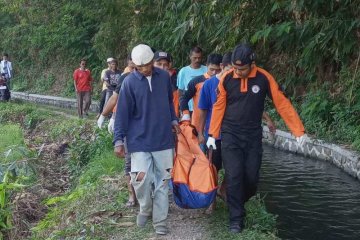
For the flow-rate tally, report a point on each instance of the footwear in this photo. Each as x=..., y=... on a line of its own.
x=130, y=204
x=161, y=230
x=236, y=227
x=141, y=220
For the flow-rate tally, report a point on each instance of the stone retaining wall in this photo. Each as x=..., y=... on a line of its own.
x=347, y=160
x=52, y=101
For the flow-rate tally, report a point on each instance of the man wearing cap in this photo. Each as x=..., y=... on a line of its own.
x=186, y=74
x=109, y=108
x=194, y=87
x=104, y=87
x=145, y=116
x=82, y=83
x=112, y=78
x=237, y=113
x=163, y=61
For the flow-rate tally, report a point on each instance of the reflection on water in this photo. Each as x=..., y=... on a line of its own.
x=313, y=199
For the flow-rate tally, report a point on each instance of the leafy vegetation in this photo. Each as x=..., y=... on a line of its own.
x=311, y=47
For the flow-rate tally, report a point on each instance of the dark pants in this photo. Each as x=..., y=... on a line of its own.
x=83, y=102
x=241, y=154
x=102, y=100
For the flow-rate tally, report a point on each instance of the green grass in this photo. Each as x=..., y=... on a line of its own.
x=11, y=143
x=94, y=206
x=259, y=224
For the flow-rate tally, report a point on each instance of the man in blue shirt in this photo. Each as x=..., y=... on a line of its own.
x=189, y=72
x=207, y=99
x=145, y=116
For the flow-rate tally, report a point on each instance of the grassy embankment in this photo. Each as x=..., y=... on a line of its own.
x=79, y=184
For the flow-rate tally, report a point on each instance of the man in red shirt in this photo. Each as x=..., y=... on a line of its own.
x=82, y=83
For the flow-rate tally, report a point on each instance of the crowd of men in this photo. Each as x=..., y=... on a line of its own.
x=224, y=100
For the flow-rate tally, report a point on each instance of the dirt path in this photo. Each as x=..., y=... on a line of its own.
x=186, y=224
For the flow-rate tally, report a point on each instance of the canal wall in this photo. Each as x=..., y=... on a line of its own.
x=347, y=160
x=62, y=102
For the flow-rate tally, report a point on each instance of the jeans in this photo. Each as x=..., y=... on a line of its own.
x=152, y=191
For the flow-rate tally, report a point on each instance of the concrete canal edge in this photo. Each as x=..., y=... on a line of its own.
x=62, y=102
x=347, y=160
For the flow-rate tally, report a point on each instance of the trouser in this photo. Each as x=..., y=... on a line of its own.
x=241, y=154
x=83, y=102
x=127, y=168
x=152, y=191
x=102, y=100
x=109, y=93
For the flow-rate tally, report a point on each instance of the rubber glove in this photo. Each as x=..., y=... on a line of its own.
x=185, y=117
x=111, y=126
x=211, y=143
x=100, y=121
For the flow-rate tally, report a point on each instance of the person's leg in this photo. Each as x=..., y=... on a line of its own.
x=79, y=104
x=163, y=163
x=87, y=102
x=132, y=198
x=233, y=159
x=108, y=95
x=217, y=161
x=253, y=164
x=142, y=177
x=102, y=101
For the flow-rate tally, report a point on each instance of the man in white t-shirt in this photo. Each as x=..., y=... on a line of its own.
x=186, y=74
x=6, y=68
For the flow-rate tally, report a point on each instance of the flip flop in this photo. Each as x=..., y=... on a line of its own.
x=130, y=204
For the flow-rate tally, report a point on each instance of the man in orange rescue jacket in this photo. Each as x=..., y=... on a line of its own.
x=238, y=112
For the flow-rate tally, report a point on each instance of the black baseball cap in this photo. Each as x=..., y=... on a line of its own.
x=244, y=54
x=162, y=55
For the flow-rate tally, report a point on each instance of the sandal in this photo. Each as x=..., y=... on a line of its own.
x=130, y=204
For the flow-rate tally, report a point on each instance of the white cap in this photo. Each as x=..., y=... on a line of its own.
x=142, y=54
x=110, y=59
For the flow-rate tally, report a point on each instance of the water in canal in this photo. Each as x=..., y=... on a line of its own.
x=313, y=199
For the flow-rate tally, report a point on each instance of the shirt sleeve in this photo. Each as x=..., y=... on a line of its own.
x=125, y=106
x=218, y=108
x=75, y=76
x=189, y=94
x=171, y=101
x=284, y=107
x=205, y=98
x=181, y=80
x=102, y=76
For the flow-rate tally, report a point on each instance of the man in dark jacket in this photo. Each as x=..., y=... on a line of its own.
x=145, y=116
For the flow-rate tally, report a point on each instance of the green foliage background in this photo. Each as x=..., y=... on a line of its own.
x=311, y=47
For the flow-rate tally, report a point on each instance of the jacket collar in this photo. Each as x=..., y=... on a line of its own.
x=251, y=75
x=155, y=71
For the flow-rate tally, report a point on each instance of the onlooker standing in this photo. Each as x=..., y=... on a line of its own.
x=189, y=72
x=194, y=87
x=104, y=87
x=145, y=116
x=82, y=83
x=112, y=78
x=6, y=69
x=163, y=60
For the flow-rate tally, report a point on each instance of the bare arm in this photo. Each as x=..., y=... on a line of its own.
x=202, y=119
x=110, y=104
